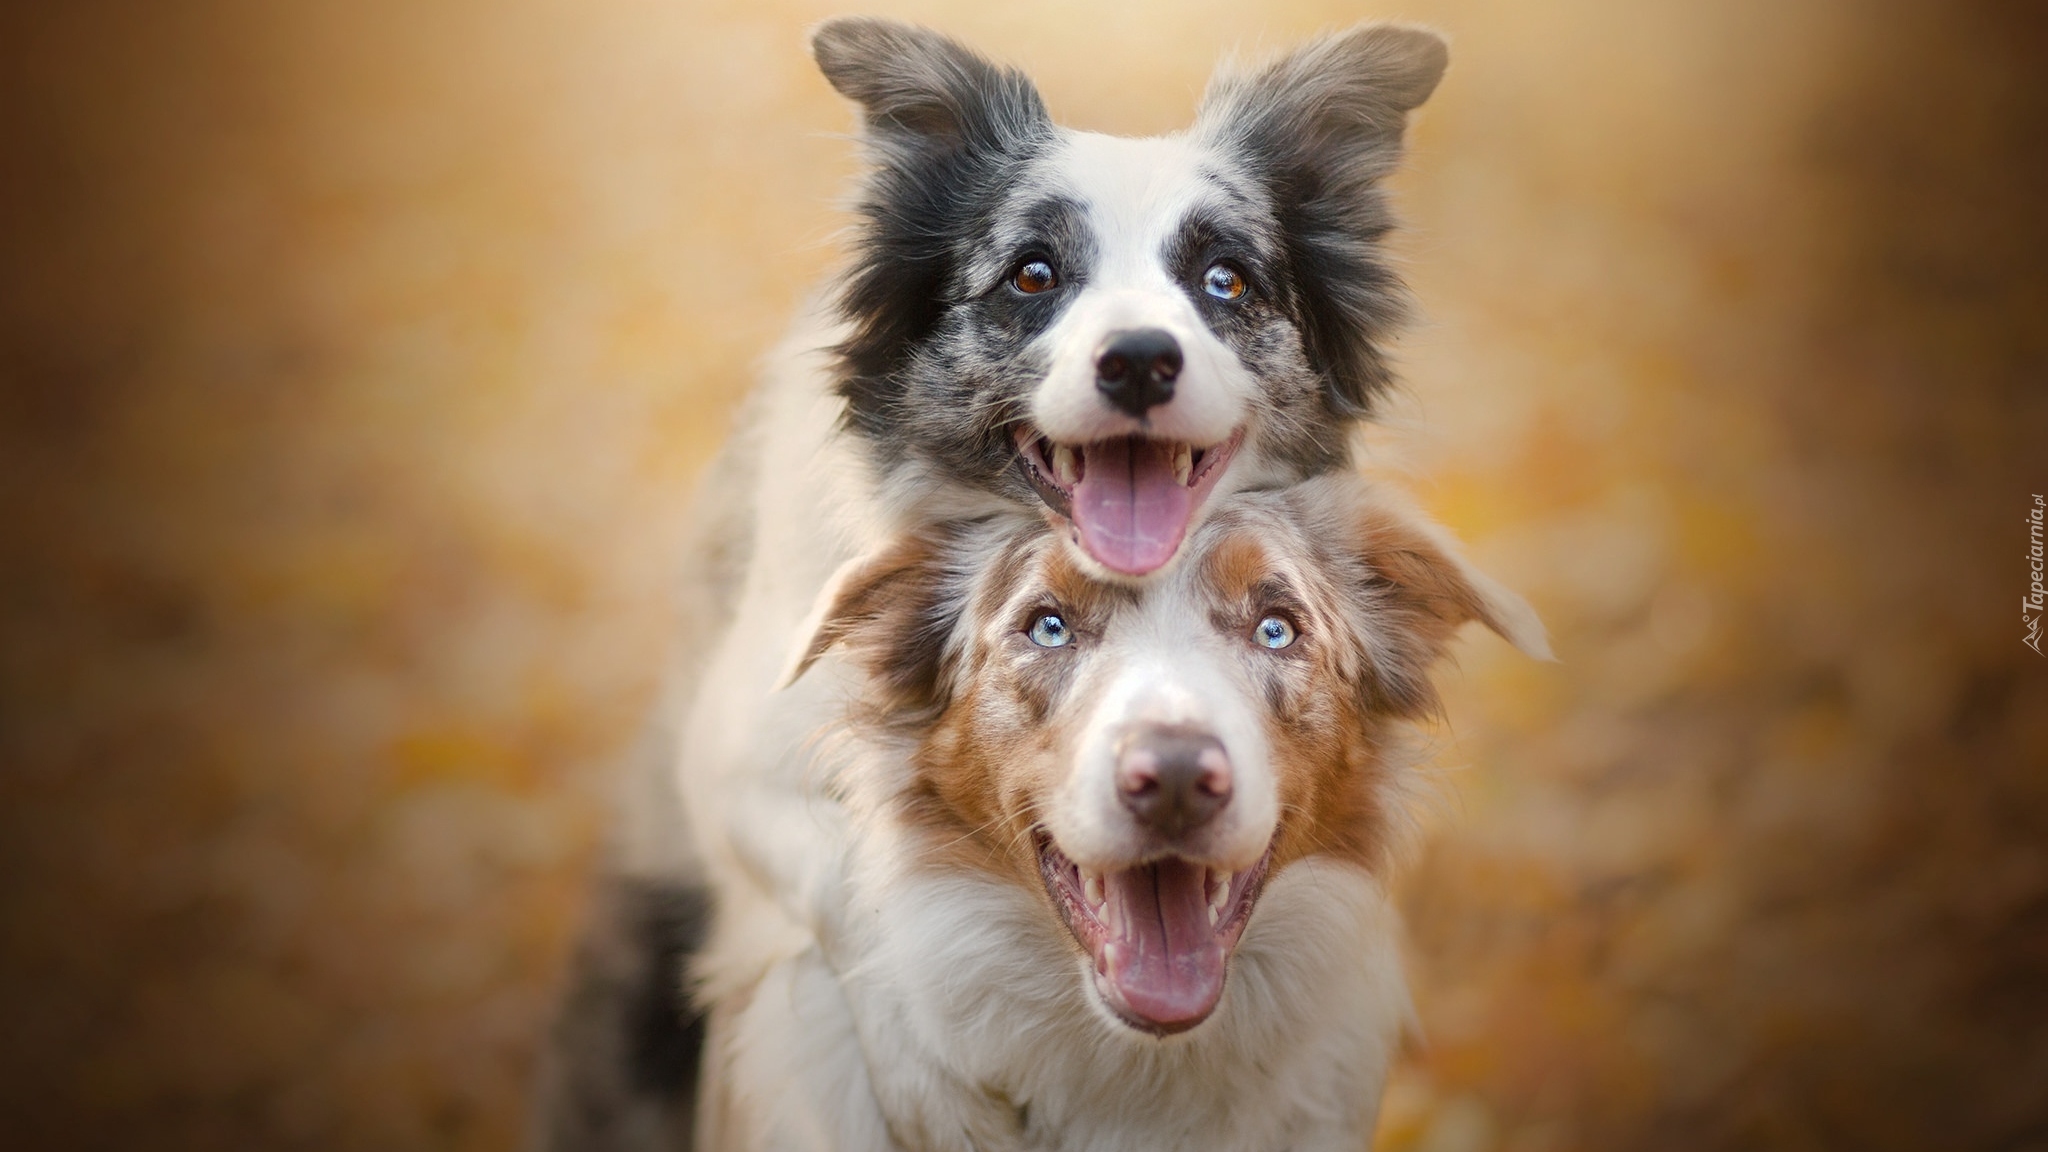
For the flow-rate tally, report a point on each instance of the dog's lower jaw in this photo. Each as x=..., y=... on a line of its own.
x=1160, y=935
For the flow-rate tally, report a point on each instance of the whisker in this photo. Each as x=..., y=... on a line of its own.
x=970, y=834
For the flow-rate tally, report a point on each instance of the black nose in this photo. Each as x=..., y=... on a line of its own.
x=1137, y=369
x=1173, y=779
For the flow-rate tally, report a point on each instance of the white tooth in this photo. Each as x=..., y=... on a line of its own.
x=1091, y=890
x=1109, y=955
x=1063, y=465
x=1183, y=463
x=1219, y=894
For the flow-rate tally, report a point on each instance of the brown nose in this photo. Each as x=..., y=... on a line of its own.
x=1173, y=779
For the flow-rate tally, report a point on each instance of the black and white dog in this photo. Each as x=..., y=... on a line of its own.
x=1112, y=336
x=1118, y=328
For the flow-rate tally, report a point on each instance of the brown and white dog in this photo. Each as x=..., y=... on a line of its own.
x=1111, y=856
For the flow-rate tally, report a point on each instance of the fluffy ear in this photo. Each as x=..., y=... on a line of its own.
x=920, y=91
x=1415, y=591
x=1321, y=126
x=946, y=130
x=895, y=610
x=1336, y=96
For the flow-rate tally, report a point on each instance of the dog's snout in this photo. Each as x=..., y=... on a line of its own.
x=1137, y=369
x=1173, y=779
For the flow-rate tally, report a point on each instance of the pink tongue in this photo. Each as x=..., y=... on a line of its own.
x=1129, y=508
x=1168, y=969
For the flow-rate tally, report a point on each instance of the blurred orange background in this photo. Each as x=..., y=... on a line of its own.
x=358, y=360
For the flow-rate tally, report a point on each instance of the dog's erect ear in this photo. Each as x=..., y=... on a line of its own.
x=1413, y=591
x=894, y=610
x=1343, y=98
x=1322, y=126
x=922, y=92
x=946, y=131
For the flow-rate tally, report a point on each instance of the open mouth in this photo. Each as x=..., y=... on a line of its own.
x=1131, y=498
x=1161, y=934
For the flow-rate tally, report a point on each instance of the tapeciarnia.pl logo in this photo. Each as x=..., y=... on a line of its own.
x=2037, y=597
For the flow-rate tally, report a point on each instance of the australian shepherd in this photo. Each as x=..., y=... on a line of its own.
x=1110, y=855
x=1101, y=376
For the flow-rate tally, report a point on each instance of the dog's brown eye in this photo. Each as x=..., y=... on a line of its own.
x=1033, y=277
x=1223, y=282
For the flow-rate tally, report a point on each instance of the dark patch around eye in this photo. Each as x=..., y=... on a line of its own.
x=916, y=208
x=943, y=361
x=1053, y=229
x=1206, y=239
x=1265, y=328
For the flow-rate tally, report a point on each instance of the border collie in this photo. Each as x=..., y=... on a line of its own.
x=1117, y=328
x=1111, y=855
x=1111, y=335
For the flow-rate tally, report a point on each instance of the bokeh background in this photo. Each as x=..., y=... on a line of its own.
x=358, y=359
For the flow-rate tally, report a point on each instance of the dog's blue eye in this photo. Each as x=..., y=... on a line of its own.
x=1033, y=277
x=1273, y=632
x=1223, y=282
x=1049, y=631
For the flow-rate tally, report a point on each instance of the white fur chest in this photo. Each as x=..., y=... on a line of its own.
x=978, y=1031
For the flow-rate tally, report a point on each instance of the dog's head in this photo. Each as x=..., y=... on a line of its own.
x=1120, y=328
x=1150, y=755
